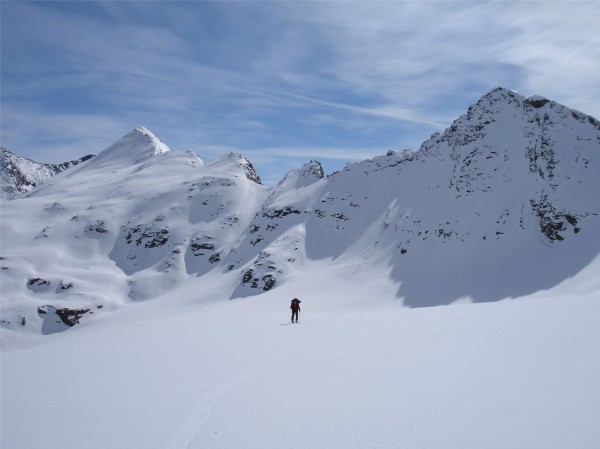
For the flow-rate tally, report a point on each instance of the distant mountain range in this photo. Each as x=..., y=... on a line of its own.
x=502, y=204
x=19, y=175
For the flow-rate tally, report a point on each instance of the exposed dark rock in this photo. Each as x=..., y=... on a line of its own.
x=200, y=249
x=248, y=276
x=251, y=173
x=257, y=240
x=57, y=168
x=551, y=221
x=149, y=237
x=537, y=102
x=340, y=216
x=65, y=285
x=69, y=317
x=216, y=257
x=278, y=213
x=38, y=282
x=269, y=282
x=154, y=238
x=571, y=219
x=99, y=227
x=247, y=167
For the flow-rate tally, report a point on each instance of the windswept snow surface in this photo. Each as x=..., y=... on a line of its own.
x=192, y=370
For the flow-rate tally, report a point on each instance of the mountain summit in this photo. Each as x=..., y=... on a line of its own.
x=138, y=146
x=502, y=204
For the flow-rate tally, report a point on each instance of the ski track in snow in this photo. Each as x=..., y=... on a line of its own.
x=201, y=415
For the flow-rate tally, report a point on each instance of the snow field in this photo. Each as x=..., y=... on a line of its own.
x=192, y=370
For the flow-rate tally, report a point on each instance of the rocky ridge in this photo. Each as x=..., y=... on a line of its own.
x=19, y=175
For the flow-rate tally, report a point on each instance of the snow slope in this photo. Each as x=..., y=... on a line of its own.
x=189, y=370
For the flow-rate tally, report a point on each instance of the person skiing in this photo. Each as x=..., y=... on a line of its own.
x=295, y=306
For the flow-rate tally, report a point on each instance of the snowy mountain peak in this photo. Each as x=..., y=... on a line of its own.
x=493, y=120
x=242, y=161
x=303, y=176
x=238, y=162
x=140, y=145
x=159, y=146
x=500, y=98
x=499, y=93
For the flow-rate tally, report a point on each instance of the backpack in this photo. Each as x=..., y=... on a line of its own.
x=295, y=304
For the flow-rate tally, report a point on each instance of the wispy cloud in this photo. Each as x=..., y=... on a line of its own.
x=395, y=113
x=414, y=54
x=282, y=81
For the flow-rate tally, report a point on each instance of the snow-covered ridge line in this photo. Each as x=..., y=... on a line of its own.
x=18, y=175
x=500, y=205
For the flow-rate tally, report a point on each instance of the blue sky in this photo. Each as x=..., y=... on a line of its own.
x=281, y=82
